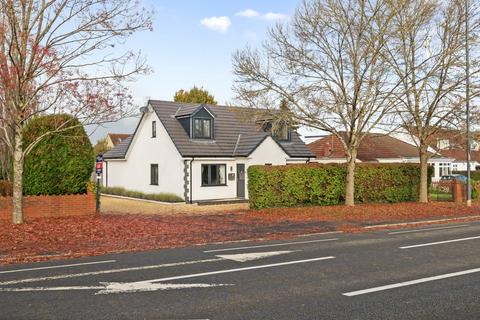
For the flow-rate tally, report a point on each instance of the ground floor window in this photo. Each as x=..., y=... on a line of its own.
x=444, y=169
x=154, y=174
x=214, y=175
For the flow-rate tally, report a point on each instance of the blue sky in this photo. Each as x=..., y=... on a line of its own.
x=192, y=43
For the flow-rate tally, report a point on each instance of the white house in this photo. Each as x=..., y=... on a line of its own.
x=199, y=152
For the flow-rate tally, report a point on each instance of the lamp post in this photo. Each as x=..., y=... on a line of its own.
x=467, y=97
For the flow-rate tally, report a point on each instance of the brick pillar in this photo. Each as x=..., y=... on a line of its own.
x=457, y=191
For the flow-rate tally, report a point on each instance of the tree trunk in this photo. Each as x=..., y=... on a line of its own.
x=350, y=183
x=17, y=215
x=423, y=190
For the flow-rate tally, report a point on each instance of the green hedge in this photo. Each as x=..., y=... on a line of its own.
x=61, y=163
x=318, y=184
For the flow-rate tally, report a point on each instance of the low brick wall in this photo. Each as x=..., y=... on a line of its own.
x=51, y=206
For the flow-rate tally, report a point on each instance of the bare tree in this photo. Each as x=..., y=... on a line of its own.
x=328, y=64
x=427, y=51
x=64, y=56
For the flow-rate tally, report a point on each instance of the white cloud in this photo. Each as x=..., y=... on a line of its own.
x=220, y=24
x=249, y=13
x=269, y=16
x=272, y=16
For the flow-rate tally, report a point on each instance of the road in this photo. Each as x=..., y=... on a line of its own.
x=424, y=273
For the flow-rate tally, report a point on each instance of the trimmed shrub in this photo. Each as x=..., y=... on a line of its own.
x=318, y=184
x=62, y=162
x=163, y=197
x=6, y=188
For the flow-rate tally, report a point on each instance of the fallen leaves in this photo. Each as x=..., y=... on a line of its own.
x=53, y=238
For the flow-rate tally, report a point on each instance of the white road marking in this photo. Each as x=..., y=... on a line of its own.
x=272, y=245
x=92, y=273
x=409, y=283
x=243, y=257
x=115, y=287
x=429, y=229
x=234, y=257
x=58, y=266
x=151, y=285
x=195, y=275
x=439, y=242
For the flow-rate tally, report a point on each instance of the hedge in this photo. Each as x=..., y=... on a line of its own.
x=62, y=162
x=324, y=184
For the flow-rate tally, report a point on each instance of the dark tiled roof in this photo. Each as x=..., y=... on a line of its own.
x=374, y=146
x=120, y=150
x=235, y=132
x=187, y=110
x=116, y=138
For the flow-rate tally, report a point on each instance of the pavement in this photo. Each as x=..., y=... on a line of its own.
x=429, y=272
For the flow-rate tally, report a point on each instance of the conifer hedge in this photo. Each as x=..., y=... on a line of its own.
x=61, y=163
x=324, y=184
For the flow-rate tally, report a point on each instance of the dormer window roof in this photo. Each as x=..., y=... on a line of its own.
x=198, y=121
x=191, y=111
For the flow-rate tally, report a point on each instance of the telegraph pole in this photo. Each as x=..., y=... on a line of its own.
x=467, y=96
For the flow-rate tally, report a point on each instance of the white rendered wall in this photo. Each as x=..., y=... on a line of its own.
x=200, y=192
x=134, y=172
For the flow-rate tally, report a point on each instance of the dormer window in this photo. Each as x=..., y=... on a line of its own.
x=202, y=128
x=198, y=121
x=281, y=132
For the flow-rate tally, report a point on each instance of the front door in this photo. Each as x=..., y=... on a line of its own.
x=240, y=180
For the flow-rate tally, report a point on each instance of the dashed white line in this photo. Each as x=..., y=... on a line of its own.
x=439, y=242
x=429, y=229
x=58, y=266
x=410, y=283
x=272, y=245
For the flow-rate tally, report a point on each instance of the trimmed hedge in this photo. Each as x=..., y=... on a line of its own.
x=61, y=163
x=324, y=184
x=163, y=197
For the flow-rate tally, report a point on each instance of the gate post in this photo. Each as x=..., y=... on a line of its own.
x=457, y=191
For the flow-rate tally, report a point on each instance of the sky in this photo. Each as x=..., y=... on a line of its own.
x=192, y=43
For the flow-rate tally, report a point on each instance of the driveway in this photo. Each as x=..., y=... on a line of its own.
x=423, y=273
x=130, y=206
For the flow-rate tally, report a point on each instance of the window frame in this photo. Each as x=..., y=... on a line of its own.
x=154, y=129
x=209, y=165
x=210, y=133
x=154, y=179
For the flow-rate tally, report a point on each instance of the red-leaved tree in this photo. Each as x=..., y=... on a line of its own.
x=64, y=56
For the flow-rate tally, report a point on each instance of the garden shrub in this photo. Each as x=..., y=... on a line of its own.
x=6, y=188
x=62, y=162
x=164, y=197
x=318, y=184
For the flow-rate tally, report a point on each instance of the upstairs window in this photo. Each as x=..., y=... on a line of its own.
x=154, y=129
x=214, y=175
x=282, y=133
x=154, y=174
x=202, y=128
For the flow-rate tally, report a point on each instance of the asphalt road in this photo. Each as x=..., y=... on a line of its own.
x=396, y=274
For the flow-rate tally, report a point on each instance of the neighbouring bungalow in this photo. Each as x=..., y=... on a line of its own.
x=114, y=139
x=199, y=152
x=379, y=148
